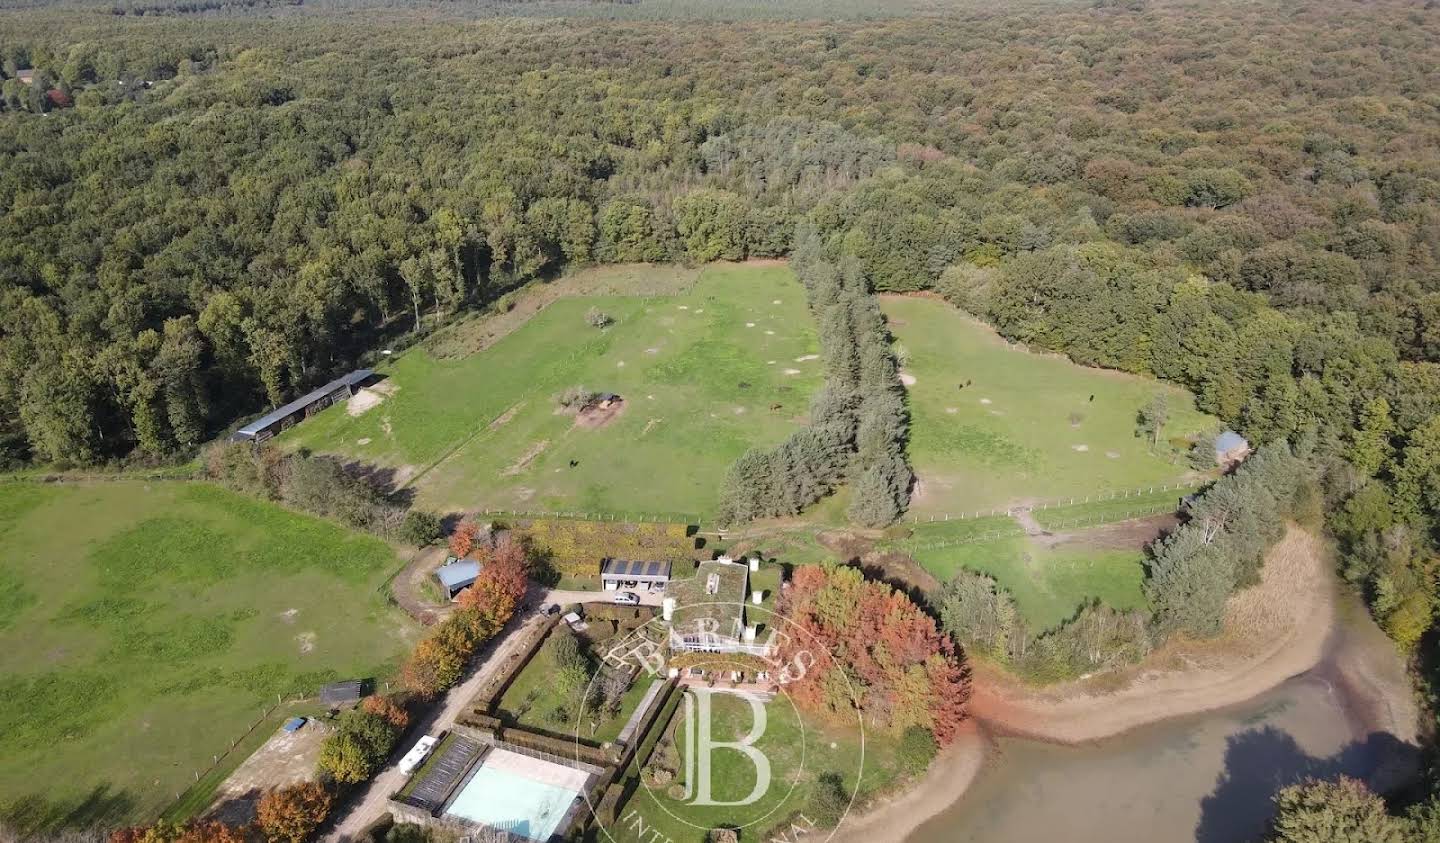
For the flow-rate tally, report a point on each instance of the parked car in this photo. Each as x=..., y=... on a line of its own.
x=626, y=598
x=552, y=610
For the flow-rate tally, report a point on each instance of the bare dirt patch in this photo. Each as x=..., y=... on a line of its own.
x=306, y=640
x=287, y=758
x=901, y=571
x=805, y=358
x=505, y=417
x=1136, y=534
x=907, y=379
x=650, y=425
x=597, y=416
x=844, y=543
x=363, y=400
x=526, y=458
x=791, y=372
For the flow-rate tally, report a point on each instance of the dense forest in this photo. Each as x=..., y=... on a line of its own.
x=208, y=206
x=206, y=209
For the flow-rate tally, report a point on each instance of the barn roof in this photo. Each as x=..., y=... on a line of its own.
x=458, y=573
x=342, y=692
x=252, y=429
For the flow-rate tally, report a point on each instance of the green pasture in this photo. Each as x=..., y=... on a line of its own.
x=1048, y=583
x=145, y=626
x=704, y=376
x=800, y=747
x=1027, y=426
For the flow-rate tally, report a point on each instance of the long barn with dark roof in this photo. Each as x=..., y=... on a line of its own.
x=301, y=408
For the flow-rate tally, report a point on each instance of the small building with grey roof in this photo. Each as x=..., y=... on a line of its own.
x=456, y=575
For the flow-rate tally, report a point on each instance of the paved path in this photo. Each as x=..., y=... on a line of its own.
x=372, y=800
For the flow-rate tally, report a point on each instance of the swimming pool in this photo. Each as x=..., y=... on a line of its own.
x=519, y=795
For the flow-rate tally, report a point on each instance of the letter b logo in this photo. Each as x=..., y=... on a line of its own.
x=700, y=745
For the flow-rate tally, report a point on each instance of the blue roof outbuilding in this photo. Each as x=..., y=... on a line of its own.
x=457, y=574
x=1230, y=441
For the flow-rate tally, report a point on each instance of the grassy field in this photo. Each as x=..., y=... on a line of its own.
x=144, y=626
x=1027, y=426
x=704, y=376
x=1049, y=583
x=799, y=751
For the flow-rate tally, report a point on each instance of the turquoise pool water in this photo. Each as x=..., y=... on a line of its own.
x=513, y=803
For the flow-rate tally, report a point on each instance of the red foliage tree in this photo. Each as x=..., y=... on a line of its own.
x=291, y=814
x=902, y=670
x=462, y=541
x=211, y=831
x=196, y=831
x=389, y=708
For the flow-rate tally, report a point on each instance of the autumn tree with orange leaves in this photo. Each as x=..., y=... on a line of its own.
x=440, y=658
x=196, y=831
x=462, y=541
x=291, y=814
x=388, y=708
x=901, y=669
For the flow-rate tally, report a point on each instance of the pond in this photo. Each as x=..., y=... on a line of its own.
x=1207, y=778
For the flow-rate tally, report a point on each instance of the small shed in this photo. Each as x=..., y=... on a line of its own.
x=456, y=575
x=26, y=76
x=342, y=693
x=621, y=573
x=1230, y=448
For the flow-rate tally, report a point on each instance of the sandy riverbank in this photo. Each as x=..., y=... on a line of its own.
x=946, y=781
x=1279, y=629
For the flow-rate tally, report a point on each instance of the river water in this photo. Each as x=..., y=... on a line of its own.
x=1207, y=778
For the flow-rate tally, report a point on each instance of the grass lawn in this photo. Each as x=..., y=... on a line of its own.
x=1026, y=426
x=1114, y=509
x=799, y=750
x=144, y=626
x=534, y=700
x=1049, y=583
x=704, y=376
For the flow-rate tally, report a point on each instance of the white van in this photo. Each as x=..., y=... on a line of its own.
x=417, y=754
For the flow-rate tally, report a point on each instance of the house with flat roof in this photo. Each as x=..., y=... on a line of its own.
x=706, y=612
x=283, y=418
x=456, y=575
x=634, y=575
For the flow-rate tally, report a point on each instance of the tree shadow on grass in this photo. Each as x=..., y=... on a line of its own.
x=37, y=814
x=1260, y=762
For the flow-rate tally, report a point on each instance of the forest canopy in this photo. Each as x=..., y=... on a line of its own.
x=206, y=211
